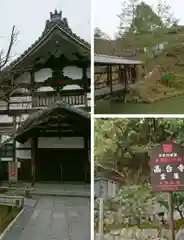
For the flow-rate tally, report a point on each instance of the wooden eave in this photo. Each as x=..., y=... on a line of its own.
x=77, y=118
x=32, y=51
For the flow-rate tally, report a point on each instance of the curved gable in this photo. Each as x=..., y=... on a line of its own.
x=55, y=26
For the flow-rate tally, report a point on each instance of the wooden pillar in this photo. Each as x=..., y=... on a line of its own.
x=34, y=146
x=126, y=78
x=133, y=72
x=14, y=135
x=87, y=163
x=107, y=71
x=110, y=79
x=32, y=73
x=85, y=79
x=128, y=74
x=14, y=163
x=119, y=74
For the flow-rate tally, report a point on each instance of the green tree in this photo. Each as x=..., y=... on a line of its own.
x=98, y=33
x=145, y=27
x=126, y=29
x=122, y=145
x=178, y=202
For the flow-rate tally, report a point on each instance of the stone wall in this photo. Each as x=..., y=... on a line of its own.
x=130, y=234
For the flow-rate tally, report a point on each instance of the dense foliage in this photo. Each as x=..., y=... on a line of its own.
x=122, y=145
x=143, y=25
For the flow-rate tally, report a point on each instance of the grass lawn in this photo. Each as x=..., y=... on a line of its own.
x=7, y=214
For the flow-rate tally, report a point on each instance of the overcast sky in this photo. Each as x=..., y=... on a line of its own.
x=29, y=17
x=106, y=12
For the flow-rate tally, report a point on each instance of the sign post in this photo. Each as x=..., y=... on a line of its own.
x=104, y=189
x=101, y=216
x=171, y=219
x=12, y=172
x=167, y=173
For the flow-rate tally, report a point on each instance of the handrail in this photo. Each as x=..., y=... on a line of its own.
x=7, y=200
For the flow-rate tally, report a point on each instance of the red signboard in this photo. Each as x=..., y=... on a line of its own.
x=12, y=171
x=167, y=167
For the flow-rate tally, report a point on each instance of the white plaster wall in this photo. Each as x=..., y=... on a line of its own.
x=43, y=74
x=7, y=159
x=45, y=89
x=75, y=142
x=40, y=76
x=5, y=119
x=65, y=142
x=72, y=87
x=73, y=72
x=3, y=105
x=23, y=154
x=19, y=90
x=23, y=145
x=24, y=78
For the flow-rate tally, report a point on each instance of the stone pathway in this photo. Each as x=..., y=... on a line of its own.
x=53, y=218
x=46, y=189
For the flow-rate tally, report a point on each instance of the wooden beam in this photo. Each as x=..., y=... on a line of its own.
x=85, y=80
x=34, y=146
x=32, y=80
x=51, y=134
x=72, y=92
x=4, y=111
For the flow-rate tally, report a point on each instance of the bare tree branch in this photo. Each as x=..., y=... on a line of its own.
x=13, y=38
x=125, y=174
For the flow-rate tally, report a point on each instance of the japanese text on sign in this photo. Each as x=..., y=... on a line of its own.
x=167, y=167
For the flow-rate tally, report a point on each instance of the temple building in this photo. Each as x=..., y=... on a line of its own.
x=45, y=119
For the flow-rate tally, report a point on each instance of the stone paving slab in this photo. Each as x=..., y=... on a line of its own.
x=54, y=218
x=78, y=190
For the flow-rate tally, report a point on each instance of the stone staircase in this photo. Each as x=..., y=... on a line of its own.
x=51, y=189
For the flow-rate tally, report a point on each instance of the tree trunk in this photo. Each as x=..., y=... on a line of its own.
x=180, y=212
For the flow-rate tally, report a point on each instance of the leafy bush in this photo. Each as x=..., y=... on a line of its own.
x=167, y=79
x=173, y=80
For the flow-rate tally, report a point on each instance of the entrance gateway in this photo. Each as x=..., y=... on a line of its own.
x=58, y=139
x=53, y=145
x=52, y=85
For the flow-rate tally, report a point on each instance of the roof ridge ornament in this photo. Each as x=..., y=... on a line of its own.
x=56, y=18
x=57, y=15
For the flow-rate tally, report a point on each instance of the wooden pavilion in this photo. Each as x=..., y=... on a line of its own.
x=113, y=74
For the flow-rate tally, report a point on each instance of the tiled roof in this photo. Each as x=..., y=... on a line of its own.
x=106, y=59
x=56, y=21
x=40, y=116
